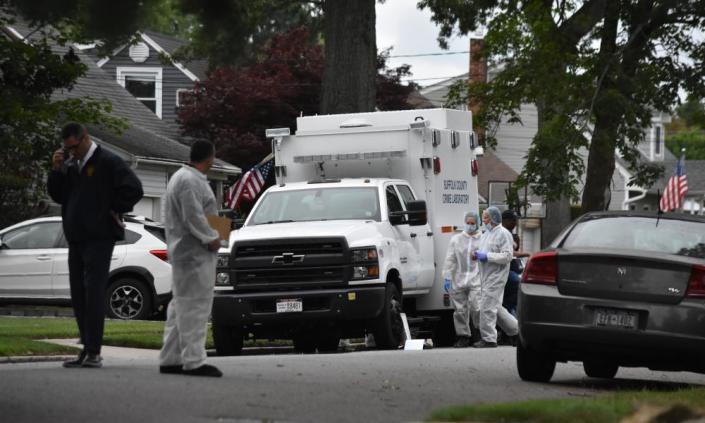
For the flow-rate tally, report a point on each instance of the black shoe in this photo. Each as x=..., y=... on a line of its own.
x=173, y=370
x=462, y=342
x=76, y=362
x=204, y=370
x=93, y=360
x=484, y=344
x=85, y=359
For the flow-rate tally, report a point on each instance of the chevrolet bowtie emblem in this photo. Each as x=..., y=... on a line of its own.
x=288, y=258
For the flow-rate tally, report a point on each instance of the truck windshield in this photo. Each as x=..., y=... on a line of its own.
x=317, y=204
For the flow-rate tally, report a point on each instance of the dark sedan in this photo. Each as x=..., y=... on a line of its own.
x=616, y=289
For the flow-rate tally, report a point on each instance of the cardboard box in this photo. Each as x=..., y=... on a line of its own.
x=221, y=224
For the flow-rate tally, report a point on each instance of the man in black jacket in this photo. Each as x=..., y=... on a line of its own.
x=94, y=187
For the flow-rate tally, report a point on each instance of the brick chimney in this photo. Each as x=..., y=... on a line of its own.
x=478, y=73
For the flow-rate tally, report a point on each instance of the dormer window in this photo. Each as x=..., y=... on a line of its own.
x=143, y=83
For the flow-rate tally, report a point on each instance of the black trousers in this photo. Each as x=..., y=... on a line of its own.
x=89, y=266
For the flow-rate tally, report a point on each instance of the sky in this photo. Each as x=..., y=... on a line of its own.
x=410, y=31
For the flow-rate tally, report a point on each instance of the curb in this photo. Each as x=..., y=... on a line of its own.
x=35, y=359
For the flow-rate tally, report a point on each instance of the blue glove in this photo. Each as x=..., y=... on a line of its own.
x=481, y=255
x=446, y=285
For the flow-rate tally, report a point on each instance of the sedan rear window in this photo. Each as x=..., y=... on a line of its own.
x=671, y=236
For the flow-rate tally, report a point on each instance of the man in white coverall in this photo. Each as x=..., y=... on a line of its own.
x=462, y=278
x=495, y=254
x=192, y=247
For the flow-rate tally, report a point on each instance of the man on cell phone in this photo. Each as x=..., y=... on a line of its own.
x=94, y=187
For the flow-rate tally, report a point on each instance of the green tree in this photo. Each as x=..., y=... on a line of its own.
x=595, y=69
x=29, y=119
x=231, y=33
x=692, y=112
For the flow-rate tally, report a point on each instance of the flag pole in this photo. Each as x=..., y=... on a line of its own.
x=681, y=159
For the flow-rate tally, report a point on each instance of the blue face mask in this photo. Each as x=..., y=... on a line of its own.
x=470, y=228
x=488, y=226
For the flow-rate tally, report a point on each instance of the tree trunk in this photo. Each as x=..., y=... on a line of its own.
x=350, y=56
x=557, y=211
x=600, y=166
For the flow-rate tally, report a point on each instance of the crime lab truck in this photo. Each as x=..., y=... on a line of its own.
x=353, y=233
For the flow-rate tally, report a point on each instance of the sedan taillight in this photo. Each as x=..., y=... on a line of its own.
x=696, y=283
x=542, y=269
x=160, y=254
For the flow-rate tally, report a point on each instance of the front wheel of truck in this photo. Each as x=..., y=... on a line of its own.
x=227, y=340
x=388, y=328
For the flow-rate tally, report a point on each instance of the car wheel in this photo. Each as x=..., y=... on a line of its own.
x=388, y=328
x=227, y=339
x=600, y=369
x=532, y=366
x=305, y=341
x=128, y=299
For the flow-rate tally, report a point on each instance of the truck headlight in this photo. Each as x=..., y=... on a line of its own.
x=365, y=272
x=364, y=254
x=222, y=278
x=365, y=263
x=223, y=260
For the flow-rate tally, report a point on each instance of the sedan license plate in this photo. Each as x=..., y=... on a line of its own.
x=615, y=318
x=290, y=306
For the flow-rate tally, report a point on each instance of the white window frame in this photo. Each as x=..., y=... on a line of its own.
x=122, y=72
x=179, y=91
x=654, y=155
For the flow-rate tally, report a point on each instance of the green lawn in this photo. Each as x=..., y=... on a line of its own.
x=601, y=409
x=18, y=335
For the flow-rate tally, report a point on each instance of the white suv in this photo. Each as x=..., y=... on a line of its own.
x=34, y=267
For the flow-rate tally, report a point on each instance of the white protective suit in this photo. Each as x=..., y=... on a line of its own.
x=465, y=276
x=499, y=246
x=189, y=199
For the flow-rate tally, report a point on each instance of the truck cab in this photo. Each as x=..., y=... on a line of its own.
x=354, y=232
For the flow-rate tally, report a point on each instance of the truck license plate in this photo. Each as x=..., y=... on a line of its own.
x=290, y=306
x=615, y=318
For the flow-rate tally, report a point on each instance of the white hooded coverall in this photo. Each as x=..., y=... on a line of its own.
x=189, y=199
x=465, y=276
x=499, y=246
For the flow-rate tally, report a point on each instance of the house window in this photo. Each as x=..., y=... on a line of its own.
x=658, y=140
x=180, y=93
x=145, y=84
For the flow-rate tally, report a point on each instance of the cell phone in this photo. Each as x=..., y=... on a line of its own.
x=69, y=160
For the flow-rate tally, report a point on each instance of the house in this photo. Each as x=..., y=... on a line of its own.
x=154, y=148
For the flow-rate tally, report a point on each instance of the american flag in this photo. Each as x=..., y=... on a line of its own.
x=249, y=185
x=676, y=188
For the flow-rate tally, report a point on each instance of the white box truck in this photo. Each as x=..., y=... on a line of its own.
x=353, y=234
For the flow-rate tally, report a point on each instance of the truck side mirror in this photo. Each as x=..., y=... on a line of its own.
x=417, y=213
x=238, y=223
x=396, y=218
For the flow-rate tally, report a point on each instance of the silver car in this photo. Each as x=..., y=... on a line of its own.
x=616, y=289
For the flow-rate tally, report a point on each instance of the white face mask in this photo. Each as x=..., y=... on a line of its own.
x=470, y=227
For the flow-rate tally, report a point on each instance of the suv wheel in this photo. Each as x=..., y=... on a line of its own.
x=600, y=369
x=227, y=340
x=128, y=299
x=388, y=328
x=532, y=366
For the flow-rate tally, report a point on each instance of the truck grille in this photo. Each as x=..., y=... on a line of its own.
x=290, y=264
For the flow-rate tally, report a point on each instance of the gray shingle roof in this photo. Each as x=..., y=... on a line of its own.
x=171, y=44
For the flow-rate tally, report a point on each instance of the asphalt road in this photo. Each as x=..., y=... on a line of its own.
x=369, y=386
